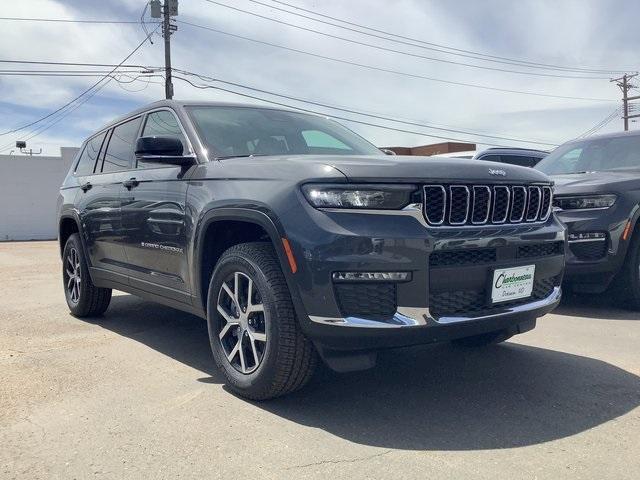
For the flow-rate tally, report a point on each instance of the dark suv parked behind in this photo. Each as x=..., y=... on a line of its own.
x=295, y=237
x=598, y=198
x=523, y=157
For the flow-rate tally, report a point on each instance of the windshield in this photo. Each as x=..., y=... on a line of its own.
x=244, y=131
x=594, y=155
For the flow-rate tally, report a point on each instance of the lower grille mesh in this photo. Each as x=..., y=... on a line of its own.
x=370, y=300
x=541, y=250
x=589, y=250
x=475, y=303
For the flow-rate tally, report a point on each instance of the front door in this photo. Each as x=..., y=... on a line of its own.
x=154, y=220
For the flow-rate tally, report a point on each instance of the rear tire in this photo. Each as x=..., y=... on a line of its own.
x=83, y=297
x=254, y=334
x=482, y=340
x=629, y=284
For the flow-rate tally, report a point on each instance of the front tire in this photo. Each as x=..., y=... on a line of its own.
x=629, y=283
x=83, y=297
x=255, y=338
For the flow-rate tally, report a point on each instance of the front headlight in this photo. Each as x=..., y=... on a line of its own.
x=374, y=196
x=584, y=202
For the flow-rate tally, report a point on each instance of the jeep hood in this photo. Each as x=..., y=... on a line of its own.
x=597, y=182
x=392, y=168
x=430, y=169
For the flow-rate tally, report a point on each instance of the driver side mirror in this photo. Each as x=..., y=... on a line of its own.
x=162, y=149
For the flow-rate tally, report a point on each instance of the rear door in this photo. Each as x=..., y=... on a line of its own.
x=153, y=216
x=98, y=203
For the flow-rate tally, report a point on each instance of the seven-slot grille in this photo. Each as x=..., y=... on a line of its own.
x=456, y=205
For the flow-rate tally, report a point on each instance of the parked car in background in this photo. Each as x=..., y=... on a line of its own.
x=598, y=197
x=523, y=157
x=297, y=239
x=468, y=154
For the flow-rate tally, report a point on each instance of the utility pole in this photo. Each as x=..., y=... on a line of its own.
x=169, y=9
x=625, y=85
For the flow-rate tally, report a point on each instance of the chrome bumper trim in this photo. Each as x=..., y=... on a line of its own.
x=415, y=317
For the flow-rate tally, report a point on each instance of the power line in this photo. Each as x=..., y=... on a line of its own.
x=537, y=64
x=75, y=64
x=386, y=127
x=428, y=45
x=84, y=92
x=394, y=72
x=400, y=52
x=68, y=20
x=371, y=115
x=54, y=120
x=601, y=123
x=38, y=130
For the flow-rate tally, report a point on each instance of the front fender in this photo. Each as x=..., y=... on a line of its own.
x=260, y=216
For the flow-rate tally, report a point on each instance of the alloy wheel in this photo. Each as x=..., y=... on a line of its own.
x=242, y=331
x=73, y=276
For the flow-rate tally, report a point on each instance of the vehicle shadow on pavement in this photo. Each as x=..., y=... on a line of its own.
x=421, y=398
x=604, y=306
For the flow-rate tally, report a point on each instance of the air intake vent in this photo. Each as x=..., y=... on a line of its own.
x=458, y=205
x=435, y=204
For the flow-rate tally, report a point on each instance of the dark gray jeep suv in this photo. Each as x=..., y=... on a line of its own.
x=297, y=239
x=598, y=199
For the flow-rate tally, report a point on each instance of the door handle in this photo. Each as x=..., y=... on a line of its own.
x=131, y=183
x=86, y=186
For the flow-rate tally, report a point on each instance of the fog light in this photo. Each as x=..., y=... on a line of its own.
x=587, y=236
x=371, y=276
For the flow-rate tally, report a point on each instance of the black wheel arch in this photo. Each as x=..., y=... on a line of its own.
x=68, y=224
x=260, y=218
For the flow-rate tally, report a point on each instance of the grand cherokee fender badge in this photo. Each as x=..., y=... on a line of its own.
x=494, y=171
x=158, y=246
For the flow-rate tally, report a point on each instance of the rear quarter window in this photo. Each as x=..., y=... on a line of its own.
x=87, y=162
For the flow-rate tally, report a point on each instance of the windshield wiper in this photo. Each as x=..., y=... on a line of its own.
x=251, y=155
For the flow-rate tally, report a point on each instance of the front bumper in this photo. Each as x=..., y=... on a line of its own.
x=338, y=241
x=593, y=263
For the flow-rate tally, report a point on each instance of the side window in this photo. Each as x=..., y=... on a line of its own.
x=491, y=158
x=161, y=123
x=521, y=160
x=87, y=161
x=119, y=154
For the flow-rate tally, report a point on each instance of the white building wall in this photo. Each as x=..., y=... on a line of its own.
x=28, y=192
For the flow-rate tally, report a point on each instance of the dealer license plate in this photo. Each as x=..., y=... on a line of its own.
x=512, y=283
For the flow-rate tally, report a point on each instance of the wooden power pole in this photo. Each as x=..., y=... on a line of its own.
x=166, y=10
x=625, y=85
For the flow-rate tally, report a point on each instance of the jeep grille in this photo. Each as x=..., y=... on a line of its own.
x=457, y=205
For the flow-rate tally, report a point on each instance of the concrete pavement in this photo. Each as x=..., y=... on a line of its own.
x=135, y=395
